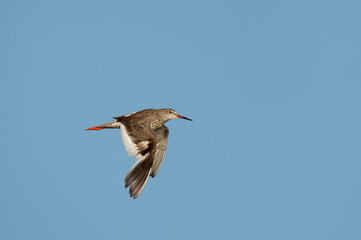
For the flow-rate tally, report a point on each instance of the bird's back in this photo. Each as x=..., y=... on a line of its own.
x=141, y=117
x=137, y=116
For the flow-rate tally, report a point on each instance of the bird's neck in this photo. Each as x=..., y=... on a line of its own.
x=157, y=123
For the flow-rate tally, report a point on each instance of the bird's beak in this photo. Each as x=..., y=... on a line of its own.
x=179, y=116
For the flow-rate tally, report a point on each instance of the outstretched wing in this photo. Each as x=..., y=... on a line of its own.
x=139, y=141
x=162, y=134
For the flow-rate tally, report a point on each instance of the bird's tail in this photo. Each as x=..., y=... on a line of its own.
x=112, y=124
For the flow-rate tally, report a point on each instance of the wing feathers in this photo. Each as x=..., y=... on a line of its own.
x=138, y=185
x=148, y=147
x=159, y=155
x=136, y=178
x=162, y=135
x=134, y=173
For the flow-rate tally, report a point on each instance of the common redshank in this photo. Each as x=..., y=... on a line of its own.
x=145, y=137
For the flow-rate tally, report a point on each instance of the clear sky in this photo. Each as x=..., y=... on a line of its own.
x=273, y=87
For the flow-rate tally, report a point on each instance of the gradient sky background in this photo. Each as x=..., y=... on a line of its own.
x=273, y=87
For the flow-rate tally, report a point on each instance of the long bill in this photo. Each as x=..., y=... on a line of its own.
x=179, y=116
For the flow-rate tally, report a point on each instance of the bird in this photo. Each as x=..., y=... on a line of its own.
x=145, y=137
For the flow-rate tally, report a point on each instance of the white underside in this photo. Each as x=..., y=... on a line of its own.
x=131, y=147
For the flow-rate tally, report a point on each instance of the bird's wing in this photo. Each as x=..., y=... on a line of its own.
x=162, y=134
x=139, y=141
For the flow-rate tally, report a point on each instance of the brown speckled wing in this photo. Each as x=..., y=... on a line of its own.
x=139, y=141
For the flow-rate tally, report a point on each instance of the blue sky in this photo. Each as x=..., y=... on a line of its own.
x=273, y=88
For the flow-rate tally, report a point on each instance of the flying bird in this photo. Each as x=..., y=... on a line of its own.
x=145, y=137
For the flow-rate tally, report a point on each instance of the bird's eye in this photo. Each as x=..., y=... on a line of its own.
x=170, y=111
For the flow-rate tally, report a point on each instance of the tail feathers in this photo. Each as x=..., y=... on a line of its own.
x=112, y=124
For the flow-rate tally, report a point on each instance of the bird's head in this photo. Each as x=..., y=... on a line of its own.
x=169, y=114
